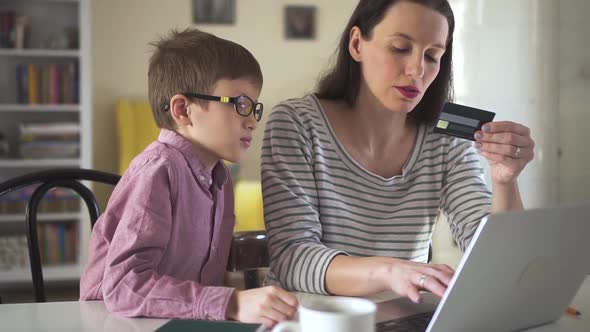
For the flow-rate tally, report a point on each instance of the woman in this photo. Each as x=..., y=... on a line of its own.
x=353, y=176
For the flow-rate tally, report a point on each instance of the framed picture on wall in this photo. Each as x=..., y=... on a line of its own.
x=300, y=22
x=214, y=11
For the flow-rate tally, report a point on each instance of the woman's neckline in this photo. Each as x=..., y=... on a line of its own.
x=357, y=167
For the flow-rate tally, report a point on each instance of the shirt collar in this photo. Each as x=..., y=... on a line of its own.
x=218, y=176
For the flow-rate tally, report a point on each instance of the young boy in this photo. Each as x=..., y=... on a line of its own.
x=161, y=247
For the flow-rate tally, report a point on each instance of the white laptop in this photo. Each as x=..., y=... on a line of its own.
x=521, y=270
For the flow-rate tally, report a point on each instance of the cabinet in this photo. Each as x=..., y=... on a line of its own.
x=45, y=121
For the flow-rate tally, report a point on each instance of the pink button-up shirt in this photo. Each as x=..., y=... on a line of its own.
x=161, y=247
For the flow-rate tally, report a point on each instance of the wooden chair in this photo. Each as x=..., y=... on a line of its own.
x=248, y=250
x=47, y=180
x=248, y=253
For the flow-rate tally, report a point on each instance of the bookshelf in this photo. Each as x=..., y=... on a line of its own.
x=40, y=53
x=39, y=163
x=41, y=217
x=39, y=108
x=51, y=41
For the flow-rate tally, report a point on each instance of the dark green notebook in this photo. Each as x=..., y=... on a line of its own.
x=181, y=325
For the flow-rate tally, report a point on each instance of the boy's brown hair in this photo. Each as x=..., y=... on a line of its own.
x=193, y=61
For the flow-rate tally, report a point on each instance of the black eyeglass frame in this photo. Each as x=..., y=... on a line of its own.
x=257, y=108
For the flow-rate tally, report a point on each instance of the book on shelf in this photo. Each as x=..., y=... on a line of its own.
x=20, y=31
x=49, y=140
x=13, y=252
x=49, y=128
x=47, y=83
x=57, y=242
x=13, y=30
x=7, y=25
x=57, y=245
x=22, y=84
x=33, y=84
x=57, y=200
x=49, y=149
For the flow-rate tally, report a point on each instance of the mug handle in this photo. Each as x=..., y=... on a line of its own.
x=288, y=326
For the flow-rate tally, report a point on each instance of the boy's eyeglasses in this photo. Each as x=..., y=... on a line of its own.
x=242, y=104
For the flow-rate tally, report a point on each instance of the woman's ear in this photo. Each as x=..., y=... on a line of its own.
x=179, y=110
x=354, y=44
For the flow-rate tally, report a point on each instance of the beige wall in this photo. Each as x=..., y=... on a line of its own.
x=121, y=31
x=122, y=28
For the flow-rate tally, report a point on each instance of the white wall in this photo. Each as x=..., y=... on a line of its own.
x=574, y=100
x=506, y=62
x=529, y=61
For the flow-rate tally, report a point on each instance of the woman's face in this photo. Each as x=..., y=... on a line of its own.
x=402, y=56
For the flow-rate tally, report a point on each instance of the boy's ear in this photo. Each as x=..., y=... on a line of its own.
x=354, y=44
x=179, y=110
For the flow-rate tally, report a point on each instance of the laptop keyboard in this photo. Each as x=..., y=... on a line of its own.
x=415, y=323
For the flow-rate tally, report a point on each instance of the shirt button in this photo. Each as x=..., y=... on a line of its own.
x=210, y=181
x=202, y=178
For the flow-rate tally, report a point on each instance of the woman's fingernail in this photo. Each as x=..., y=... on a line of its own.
x=478, y=145
x=478, y=135
x=486, y=128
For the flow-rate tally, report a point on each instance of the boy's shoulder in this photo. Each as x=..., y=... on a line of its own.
x=156, y=155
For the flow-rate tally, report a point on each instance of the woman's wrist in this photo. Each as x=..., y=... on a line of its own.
x=507, y=190
x=502, y=185
x=358, y=276
x=506, y=197
x=381, y=272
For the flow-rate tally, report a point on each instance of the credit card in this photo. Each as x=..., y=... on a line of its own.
x=461, y=121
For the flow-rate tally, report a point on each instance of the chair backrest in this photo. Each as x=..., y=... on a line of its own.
x=48, y=179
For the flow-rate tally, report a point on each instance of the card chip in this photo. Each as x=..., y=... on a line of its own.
x=461, y=121
x=442, y=124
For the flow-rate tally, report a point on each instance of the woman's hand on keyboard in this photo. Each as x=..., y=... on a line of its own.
x=408, y=278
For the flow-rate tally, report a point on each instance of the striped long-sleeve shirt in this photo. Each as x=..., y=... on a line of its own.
x=319, y=202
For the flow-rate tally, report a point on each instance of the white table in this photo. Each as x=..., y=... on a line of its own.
x=93, y=316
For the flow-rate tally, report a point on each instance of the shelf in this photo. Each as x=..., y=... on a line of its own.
x=41, y=217
x=34, y=53
x=57, y=1
x=39, y=163
x=39, y=108
x=50, y=22
x=50, y=273
x=52, y=1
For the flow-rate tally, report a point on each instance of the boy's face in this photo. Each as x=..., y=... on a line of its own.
x=217, y=127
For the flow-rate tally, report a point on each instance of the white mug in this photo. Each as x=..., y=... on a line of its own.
x=332, y=314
